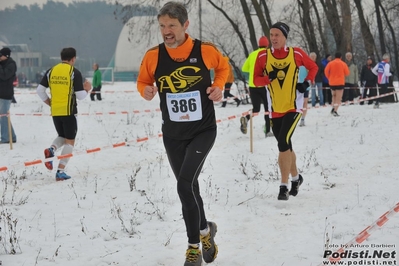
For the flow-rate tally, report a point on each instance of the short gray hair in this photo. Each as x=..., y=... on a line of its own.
x=386, y=56
x=174, y=10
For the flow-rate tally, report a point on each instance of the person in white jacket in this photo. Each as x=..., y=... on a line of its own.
x=383, y=71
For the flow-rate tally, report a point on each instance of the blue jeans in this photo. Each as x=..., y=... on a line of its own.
x=4, y=108
x=319, y=86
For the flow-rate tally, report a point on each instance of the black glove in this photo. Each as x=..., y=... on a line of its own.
x=302, y=87
x=272, y=75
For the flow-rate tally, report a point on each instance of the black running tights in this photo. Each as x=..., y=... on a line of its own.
x=186, y=157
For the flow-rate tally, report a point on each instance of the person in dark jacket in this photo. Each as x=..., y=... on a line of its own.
x=368, y=80
x=317, y=83
x=326, y=85
x=8, y=68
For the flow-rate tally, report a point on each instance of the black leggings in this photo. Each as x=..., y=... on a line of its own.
x=283, y=128
x=186, y=157
x=96, y=92
x=258, y=95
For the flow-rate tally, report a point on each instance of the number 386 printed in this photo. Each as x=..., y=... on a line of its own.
x=184, y=105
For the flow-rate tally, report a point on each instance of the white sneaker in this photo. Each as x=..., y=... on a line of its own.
x=302, y=123
x=269, y=134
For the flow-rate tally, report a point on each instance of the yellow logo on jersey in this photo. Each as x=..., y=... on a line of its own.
x=180, y=80
x=281, y=74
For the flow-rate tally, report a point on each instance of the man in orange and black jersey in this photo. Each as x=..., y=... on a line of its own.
x=277, y=67
x=66, y=85
x=180, y=67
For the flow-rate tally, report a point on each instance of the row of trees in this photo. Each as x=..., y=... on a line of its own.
x=90, y=27
x=363, y=27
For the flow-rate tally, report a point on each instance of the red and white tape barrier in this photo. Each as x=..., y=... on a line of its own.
x=363, y=235
x=92, y=92
x=229, y=118
x=95, y=113
x=93, y=150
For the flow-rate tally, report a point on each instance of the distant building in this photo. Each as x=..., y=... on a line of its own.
x=131, y=47
x=28, y=63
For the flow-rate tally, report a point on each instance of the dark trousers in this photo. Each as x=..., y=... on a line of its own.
x=258, y=95
x=227, y=94
x=327, y=93
x=382, y=89
x=96, y=92
x=349, y=92
x=186, y=158
x=370, y=90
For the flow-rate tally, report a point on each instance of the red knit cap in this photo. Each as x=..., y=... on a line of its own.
x=263, y=41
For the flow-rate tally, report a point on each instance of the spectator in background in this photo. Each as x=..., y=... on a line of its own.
x=96, y=83
x=351, y=81
x=368, y=80
x=383, y=71
x=317, y=83
x=23, y=82
x=327, y=96
x=303, y=72
x=15, y=84
x=227, y=86
x=336, y=71
x=257, y=94
x=8, y=69
x=66, y=85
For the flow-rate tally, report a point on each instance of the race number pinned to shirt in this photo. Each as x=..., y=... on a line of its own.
x=185, y=106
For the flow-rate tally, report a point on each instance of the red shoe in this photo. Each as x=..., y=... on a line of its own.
x=49, y=153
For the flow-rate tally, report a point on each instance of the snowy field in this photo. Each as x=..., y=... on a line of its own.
x=121, y=206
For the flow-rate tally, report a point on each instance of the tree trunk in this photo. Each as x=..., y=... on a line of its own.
x=262, y=19
x=307, y=24
x=380, y=27
x=267, y=14
x=368, y=38
x=234, y=25
x=332, y=15
x=248, y=19
x=323, y=37
x=394, y=59
x=346, y=44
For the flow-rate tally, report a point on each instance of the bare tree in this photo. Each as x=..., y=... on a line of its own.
x=319, y=25
x=395, y=43
x=263, y=16
x=368, y=38
x=333, y=18
x=380, y=26
x=321, y=32
x=346, y=44
x=307, y=24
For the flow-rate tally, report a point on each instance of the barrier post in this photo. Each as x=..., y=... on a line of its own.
x=9, y=129
x=251, y=141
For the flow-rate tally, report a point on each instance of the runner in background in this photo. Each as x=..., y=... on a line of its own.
x=227, y=86
x=66, y=85
x=277, y=67
x=257, y=94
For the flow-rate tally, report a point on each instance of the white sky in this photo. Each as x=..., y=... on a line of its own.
x=349, y=164
x=11, y=3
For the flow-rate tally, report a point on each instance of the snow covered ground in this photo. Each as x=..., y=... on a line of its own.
x=121, y=205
